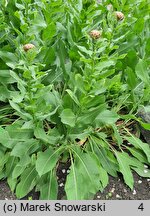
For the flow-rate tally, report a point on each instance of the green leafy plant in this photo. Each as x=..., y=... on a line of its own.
x=73, y=77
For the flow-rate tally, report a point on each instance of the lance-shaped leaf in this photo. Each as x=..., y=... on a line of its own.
x=20, y=166
x=107, y=164
x=47, y=160
x=49, y=190
x=137, y=143
x=74, y=178
x=9, y=58
x=11, y=163
x=73, y=96
x=124, y=166
x=139, y=167
x=6, y=140
x=138, y=153
x=28, y=181
x=27, y=147
x=142, y=171
x=86, y=175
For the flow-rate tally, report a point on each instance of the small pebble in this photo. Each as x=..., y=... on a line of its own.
x=125, y=190
x=6, y=198
x=134, y=192
x=61, y=185
x=118, y=196
x=145, y=171
x=139, y=181
x=145, y=166
x=63, y=170
x=112, y=190
x=148, y=180
x=98, y=197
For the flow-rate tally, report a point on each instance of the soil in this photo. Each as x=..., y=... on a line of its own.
x=116, y=190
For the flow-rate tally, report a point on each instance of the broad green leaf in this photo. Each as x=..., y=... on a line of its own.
x=83, y=49
x=49, y=31
x=5, y=139
x=138, y=153
x=5, y=77
x=142, y=171
x=102, y=155
x=49, y=190
x=131, y=79
x=104, y=64
x=137, y=143
x=79, y=82
x=27, y=182
x=23, y=114
x=42, y=117
x=4, y=93
x=3, y=159
x=11, y=163
x=79, y=5
x=16, y=131
x=12, y=183
x=9, y=58
x=139, y=26
x=47, y=160
x=88, y=116
x=26, y=147
x=37, y=24
x=103, y=177
x=139, y=167
x=142, y=71
x=74, y=178
x=85, y=170
x=39, y=133
x=21, y=83
x=20, y=6
x=106, y=117
x=106, y=73
x=68, y=117
x=124, y=166
x=20, y=166
x=145, y=125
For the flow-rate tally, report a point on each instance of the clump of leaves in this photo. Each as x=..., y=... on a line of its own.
x=72, y=97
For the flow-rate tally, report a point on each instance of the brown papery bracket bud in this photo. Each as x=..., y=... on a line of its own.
x=27, y=47
x=119, y=15
x=95, y=34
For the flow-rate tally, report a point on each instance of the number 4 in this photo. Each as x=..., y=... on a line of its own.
x=141, y=207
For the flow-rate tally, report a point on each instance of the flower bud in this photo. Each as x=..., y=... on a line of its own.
x=119, y=15
x=95, y=34
x=27, y=47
